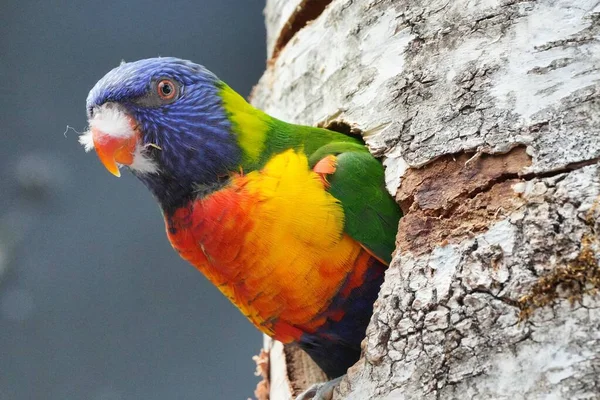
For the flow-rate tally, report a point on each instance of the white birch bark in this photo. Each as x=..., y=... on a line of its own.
x=486, y=114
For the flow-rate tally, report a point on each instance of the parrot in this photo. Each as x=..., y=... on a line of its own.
x=292, y=223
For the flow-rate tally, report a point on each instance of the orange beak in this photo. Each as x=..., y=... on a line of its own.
x=112, y=150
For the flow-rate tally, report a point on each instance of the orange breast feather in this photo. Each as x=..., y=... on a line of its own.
x=272, y=241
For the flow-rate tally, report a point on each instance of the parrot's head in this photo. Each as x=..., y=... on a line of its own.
x=165, y=120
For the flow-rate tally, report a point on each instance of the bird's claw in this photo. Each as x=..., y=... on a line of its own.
x=320, y=391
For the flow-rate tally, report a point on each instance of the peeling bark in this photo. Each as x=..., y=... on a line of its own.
x=486, y=114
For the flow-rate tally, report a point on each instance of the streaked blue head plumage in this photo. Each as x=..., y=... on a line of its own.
x=195, y=146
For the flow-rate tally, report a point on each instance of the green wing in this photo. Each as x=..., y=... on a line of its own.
x=371, y=214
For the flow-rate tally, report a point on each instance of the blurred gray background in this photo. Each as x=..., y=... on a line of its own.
x=94, y=304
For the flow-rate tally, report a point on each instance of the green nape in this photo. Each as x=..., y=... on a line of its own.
x=260, y=136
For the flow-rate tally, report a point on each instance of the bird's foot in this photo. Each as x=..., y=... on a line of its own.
x=320, y=391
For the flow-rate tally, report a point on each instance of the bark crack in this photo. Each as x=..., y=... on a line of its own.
x=532, y=175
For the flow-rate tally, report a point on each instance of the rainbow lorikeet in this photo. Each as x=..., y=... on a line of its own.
x=292, y=223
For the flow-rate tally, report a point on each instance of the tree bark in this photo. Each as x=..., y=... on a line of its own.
x=486, y=114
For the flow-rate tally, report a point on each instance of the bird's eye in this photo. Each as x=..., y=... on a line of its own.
x=167, y=90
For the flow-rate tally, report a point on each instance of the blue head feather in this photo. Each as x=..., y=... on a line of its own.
x=197, y=147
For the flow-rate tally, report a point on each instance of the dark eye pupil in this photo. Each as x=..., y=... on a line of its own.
x=166, y=89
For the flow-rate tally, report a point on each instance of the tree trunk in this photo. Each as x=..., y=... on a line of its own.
x=486, y=114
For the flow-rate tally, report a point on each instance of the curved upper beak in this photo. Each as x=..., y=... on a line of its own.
x=113, y=151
